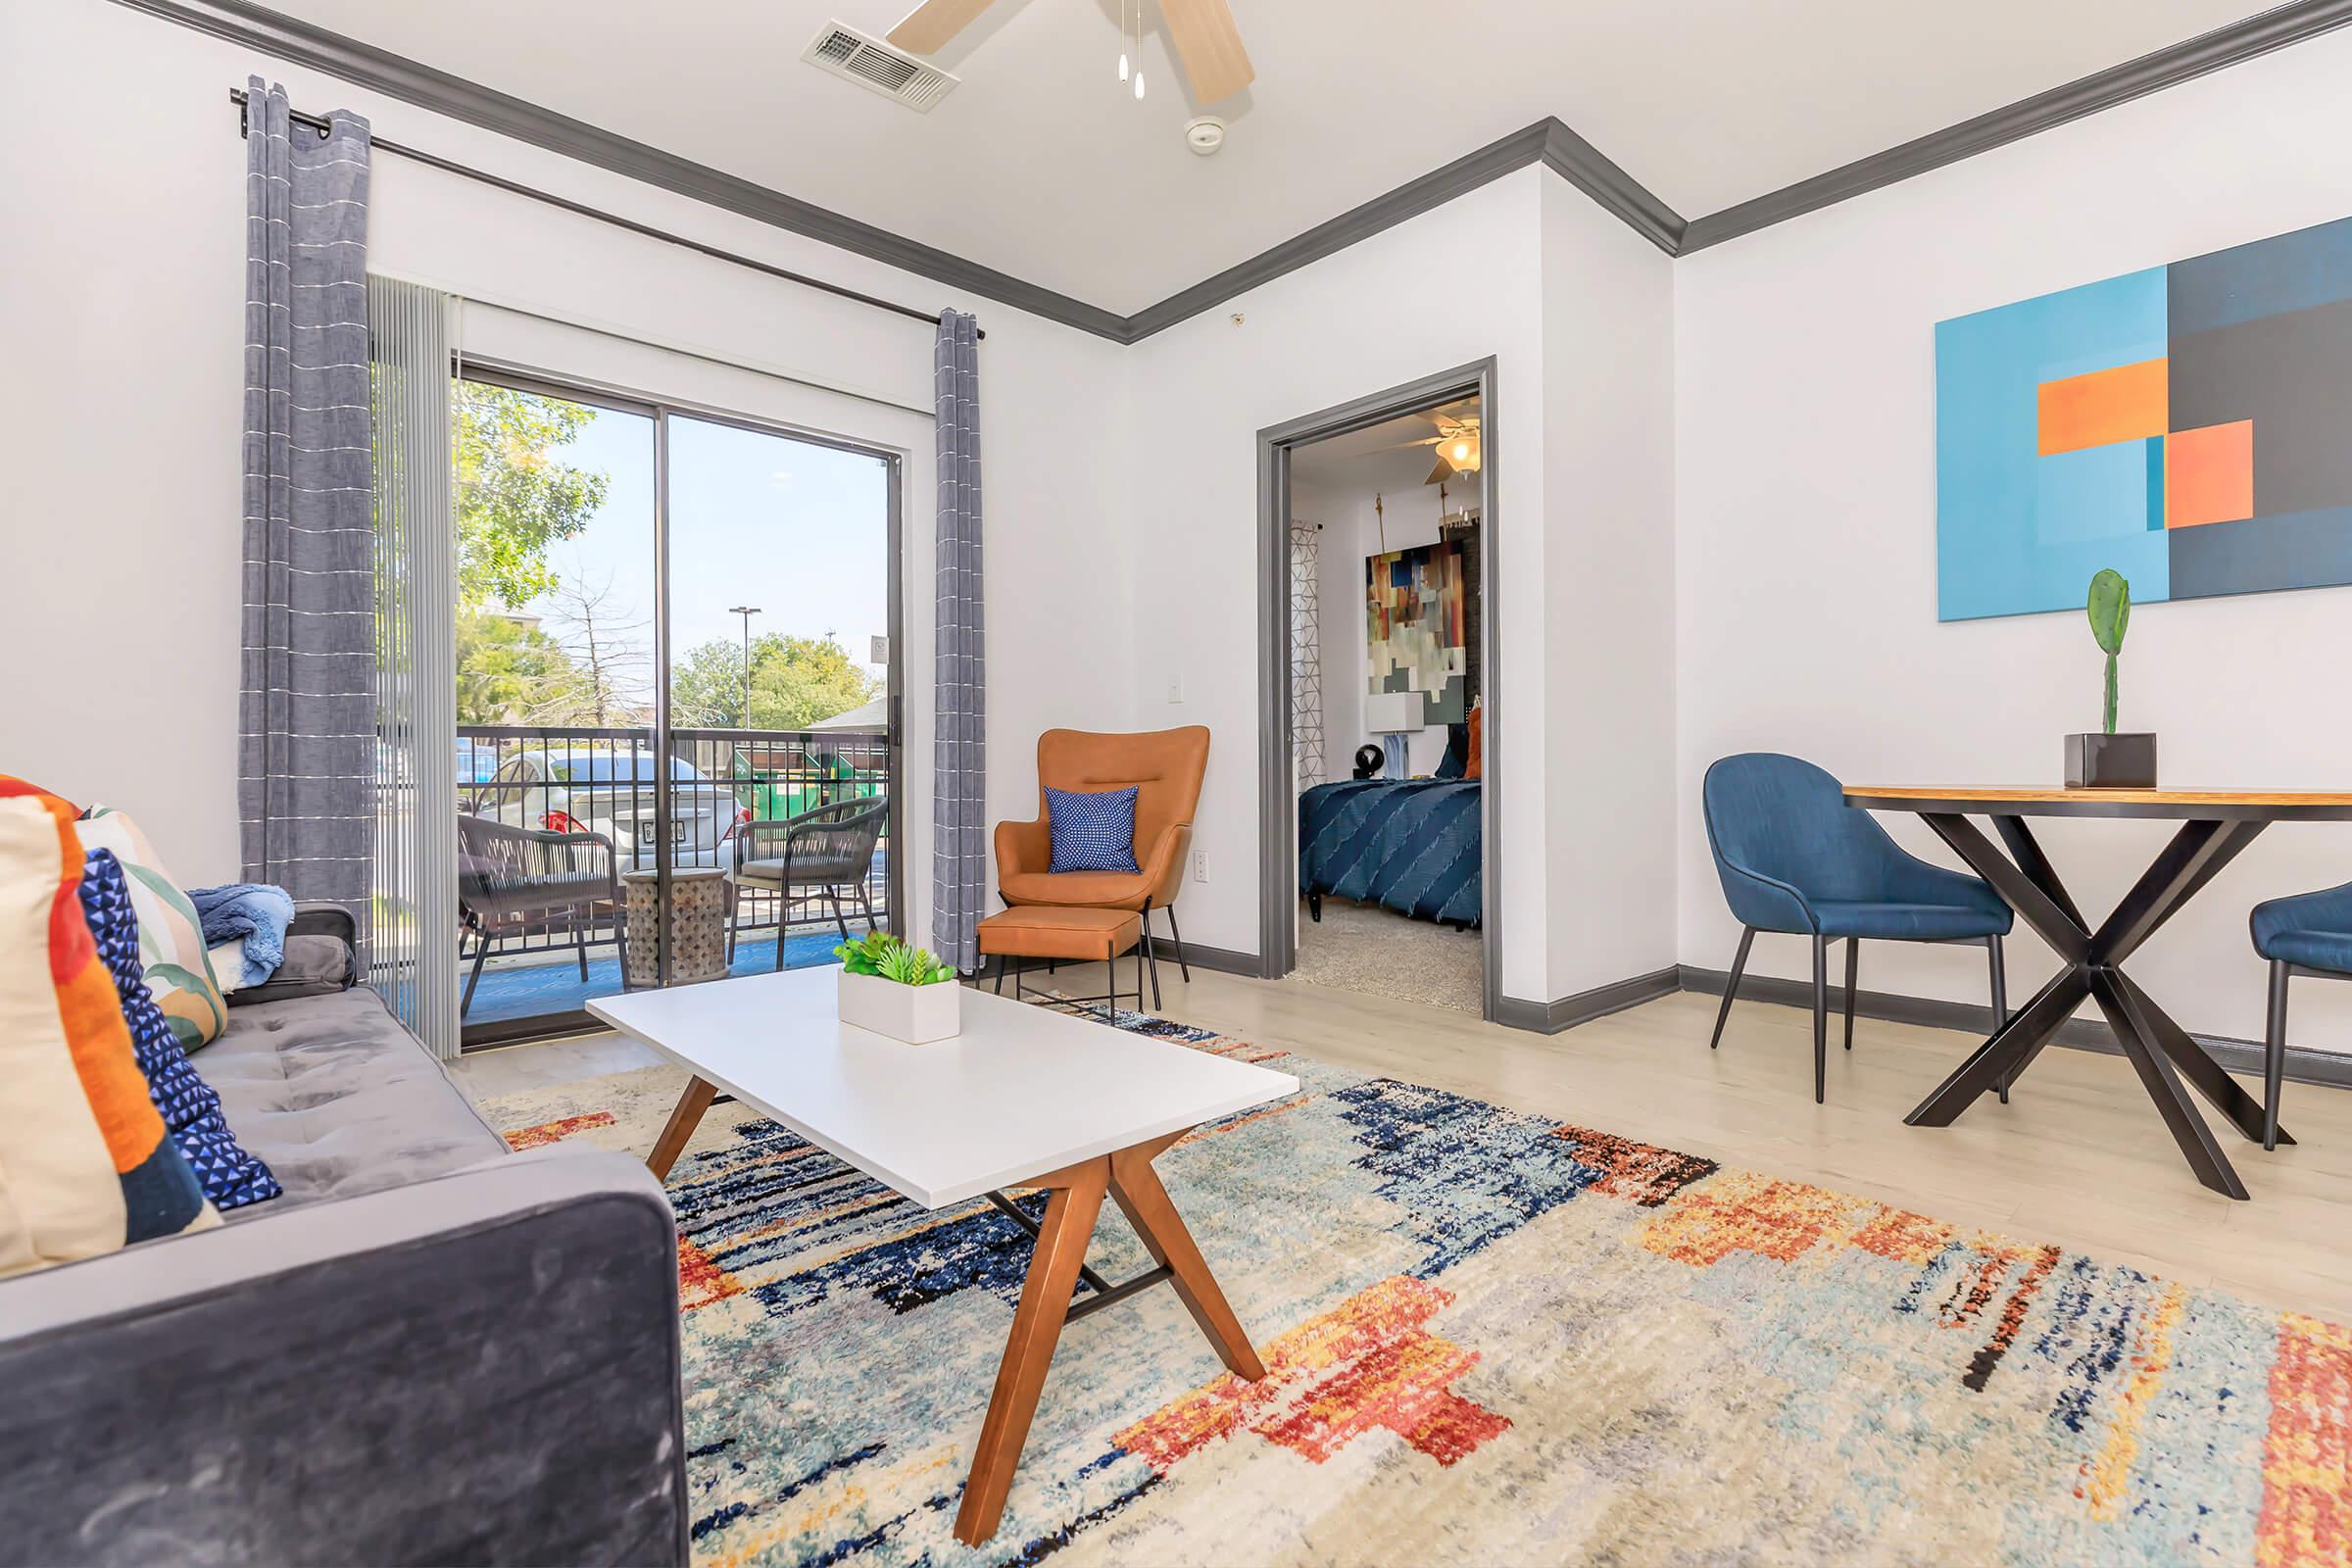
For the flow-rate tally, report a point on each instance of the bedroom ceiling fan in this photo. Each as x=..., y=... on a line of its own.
x=1457, y=447
x=1205, y=39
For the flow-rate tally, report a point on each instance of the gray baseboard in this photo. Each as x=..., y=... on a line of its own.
x=1224, y=960
x=2304, y=1066
x=1566, y=1012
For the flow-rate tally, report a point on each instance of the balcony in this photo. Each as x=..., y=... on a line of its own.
x=598, y=788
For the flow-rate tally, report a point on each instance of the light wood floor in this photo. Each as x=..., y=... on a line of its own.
x=2078, y=1158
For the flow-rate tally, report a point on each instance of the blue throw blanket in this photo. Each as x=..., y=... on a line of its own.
x=254, y=911
x=1408, y=844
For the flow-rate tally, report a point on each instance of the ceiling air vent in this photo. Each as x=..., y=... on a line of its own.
x=872, y=64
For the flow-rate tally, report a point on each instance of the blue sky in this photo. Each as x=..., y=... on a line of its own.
x=801, y=530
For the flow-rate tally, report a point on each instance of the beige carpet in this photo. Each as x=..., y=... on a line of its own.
x=1372, y=951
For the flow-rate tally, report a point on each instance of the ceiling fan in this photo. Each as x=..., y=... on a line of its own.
x=1203, y=30
x=1457, y=447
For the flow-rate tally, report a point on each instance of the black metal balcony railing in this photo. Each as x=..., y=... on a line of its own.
x=604, y=781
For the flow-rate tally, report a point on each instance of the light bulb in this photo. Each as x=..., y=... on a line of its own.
x=1139, y=83
x=1461, y=451
x=1122, y=64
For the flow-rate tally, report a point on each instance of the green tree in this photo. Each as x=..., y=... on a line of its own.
x=795, y=682
x=513, y=500
x=510, y=672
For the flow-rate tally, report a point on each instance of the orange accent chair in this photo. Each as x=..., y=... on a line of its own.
x=1167, y=768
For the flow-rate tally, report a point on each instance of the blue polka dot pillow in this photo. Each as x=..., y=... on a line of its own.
x=1094, y=830
x=230, y=1177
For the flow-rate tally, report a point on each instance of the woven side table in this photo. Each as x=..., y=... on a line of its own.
x=697, y=925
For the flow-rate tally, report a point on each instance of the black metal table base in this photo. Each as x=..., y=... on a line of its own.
x=1106, y=1292
x=2159, y=1050
x=1107, y=1002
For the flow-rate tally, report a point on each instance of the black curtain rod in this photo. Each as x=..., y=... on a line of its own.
x=236, y=95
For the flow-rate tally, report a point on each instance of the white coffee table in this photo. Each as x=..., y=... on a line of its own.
x=1024, y=1097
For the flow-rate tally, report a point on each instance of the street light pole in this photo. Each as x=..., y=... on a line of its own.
x=747, y=611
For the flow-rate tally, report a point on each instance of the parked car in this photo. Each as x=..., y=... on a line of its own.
x=580, y=789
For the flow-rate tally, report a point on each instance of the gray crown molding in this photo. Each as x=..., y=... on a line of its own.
x=2258, y=34
x=364, y=65
x=1548, y=141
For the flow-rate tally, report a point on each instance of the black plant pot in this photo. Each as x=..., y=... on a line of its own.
x=2098, y=762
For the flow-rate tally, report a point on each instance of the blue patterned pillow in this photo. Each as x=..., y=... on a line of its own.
x=230, y=1177
x=1093, y=830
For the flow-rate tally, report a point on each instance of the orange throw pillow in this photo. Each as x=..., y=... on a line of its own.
x=85, y=1163
x=1478, y=724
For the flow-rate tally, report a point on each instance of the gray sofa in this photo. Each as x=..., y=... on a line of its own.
x=428, y=1350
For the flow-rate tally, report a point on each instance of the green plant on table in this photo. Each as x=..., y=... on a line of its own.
x=2109, y=610
x=886, y=958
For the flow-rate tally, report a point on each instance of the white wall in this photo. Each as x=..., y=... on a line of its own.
x=1608, y=595
x=1341, y=498
x=1345, y=326
x=1806, y=471
x=118, y=586
x=1578, y=312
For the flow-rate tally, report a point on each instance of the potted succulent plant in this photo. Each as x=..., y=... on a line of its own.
x=899, y=991
x=2105, y=759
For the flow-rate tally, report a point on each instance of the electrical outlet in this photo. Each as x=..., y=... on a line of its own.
x=1199, y=866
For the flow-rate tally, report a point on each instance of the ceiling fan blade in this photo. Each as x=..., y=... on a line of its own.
x=1210, y=47
x=930, y=26
x=1441, y=473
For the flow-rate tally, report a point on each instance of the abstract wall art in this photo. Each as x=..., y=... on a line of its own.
x=2184, y=425
x=1415, y=633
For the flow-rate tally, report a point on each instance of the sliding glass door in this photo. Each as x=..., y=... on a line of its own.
x=676, y=751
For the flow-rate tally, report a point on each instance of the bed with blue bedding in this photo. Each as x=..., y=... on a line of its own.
x=1408, y=844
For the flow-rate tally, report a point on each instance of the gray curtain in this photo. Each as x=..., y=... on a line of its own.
x=958, y=744
x=305, y=752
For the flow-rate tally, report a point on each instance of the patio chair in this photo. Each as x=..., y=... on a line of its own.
x=515, y=880
x=826, y=848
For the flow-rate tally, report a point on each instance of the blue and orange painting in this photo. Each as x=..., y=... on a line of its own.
x=2184, y=425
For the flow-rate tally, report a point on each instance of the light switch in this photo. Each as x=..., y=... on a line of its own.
x=1176, y=687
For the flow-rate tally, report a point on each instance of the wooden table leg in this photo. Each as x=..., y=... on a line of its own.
x=1145, y=1203
x=683, y=1120
x=1074, y=1201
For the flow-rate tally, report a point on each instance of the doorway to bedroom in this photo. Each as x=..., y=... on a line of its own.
x=1378, y=791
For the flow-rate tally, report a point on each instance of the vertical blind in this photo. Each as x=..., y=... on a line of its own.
x=412, y=334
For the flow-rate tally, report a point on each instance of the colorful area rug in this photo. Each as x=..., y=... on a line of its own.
x=1491, y=1337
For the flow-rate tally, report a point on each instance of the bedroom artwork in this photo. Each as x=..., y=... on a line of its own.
x=2182, y=424
x=1415, y=630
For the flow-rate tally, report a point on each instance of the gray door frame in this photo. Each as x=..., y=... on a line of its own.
x=1277, y=792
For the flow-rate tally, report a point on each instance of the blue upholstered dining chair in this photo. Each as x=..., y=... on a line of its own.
x=1795, y=859
x=2308, y=934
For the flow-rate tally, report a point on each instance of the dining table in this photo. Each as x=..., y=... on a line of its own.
x=2216, y=826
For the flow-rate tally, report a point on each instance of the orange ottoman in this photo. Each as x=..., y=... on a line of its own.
x=1062, y=934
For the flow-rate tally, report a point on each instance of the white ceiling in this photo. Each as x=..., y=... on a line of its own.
x=1041, y=165
x=1388, y=456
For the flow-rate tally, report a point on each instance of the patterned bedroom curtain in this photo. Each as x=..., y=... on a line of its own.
x=1306, y=653
x=306, y=749
x=958, y=744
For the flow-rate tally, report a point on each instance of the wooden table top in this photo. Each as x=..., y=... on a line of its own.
x=2221, y=805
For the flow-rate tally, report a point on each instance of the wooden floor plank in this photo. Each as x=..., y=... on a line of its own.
x=2078, y=1158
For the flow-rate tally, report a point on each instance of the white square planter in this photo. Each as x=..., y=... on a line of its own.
x=916, y=1014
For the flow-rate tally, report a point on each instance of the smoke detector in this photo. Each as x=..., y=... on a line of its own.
x=843, y=51
x=1204, y=136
